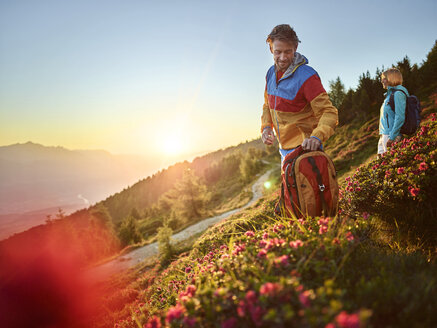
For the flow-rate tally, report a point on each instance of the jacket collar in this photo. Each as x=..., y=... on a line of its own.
x=298, y=61
x=390, y=89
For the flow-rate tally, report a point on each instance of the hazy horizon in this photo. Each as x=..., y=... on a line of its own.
x=196, y=153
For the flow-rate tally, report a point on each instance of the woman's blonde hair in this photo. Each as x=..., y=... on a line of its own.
x=393, y=76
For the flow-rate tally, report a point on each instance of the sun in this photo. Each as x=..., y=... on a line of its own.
x=173, y=144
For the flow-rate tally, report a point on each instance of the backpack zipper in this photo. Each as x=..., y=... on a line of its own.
x=287, y=183
x=322, y=187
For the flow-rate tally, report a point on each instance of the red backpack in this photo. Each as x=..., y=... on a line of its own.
x=309, y=184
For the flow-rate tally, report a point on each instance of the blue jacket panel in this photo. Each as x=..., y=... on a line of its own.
x=288, y=88
x=390, y=122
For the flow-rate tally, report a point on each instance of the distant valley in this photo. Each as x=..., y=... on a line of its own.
x=36, y=180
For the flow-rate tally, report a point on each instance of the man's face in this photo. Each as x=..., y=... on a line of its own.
x=283, y=53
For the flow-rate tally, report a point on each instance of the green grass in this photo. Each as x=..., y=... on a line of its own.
x=259, y=270
x=327, y=275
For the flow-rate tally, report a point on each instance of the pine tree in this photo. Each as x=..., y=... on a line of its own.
x=128, y=232
x=428, y=70
x=336, y=92
x=248, y=167
x=345, y=112
x=102, y=216
x=188, y=198
x=164, y=243
x=135, y=214
x=193, y=195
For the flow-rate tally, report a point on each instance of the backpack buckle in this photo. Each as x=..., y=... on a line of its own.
x=322, y=187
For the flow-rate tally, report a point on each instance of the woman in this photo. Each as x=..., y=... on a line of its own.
x=391, y=120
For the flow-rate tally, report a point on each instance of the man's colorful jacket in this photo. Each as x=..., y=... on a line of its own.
x=297, y=107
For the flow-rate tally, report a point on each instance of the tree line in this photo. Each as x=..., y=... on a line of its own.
x=364, y=102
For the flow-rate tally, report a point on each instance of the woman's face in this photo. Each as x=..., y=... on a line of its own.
x=384, y=81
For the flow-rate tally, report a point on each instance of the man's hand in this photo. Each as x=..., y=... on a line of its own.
x=267, y=136
x=311, y=144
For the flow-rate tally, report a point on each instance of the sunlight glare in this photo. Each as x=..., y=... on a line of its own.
x=173, y=145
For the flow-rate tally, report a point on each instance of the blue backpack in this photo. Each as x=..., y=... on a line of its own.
x=412, y=113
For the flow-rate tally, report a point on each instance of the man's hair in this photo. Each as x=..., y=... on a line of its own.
x=393, y=76
x=283, y=32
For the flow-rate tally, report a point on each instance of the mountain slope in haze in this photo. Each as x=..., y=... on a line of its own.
x=146, y=192
x=35, y=178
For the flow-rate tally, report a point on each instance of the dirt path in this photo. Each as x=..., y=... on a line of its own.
x=138, y=255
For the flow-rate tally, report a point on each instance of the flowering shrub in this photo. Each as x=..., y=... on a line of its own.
x=258, y=270
x=277, y=273
x=254, y=270
x=399, y=187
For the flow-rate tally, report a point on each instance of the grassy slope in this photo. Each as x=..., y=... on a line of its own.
x=343, y=269
x=350, y=273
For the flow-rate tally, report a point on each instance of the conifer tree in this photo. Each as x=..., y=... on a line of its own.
x=428, y=70
x=193, y=194
x=135, y=214
x=248, y=167
x=128, y=232
x=345, y=112
x=188, y=198
x=164, y=246
x=336, y=92
x=102, y=216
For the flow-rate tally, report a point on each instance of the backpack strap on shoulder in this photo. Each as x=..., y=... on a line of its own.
x=391, y=101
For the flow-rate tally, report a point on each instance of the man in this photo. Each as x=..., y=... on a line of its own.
x=296, y=104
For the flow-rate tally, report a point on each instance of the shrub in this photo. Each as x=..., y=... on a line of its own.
x=257, y=270
x=164, y=243
x=399, y=187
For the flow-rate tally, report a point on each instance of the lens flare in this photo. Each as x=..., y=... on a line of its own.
x=267, y=184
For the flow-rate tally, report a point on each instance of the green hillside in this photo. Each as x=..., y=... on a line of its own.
x=221, y=181
x=373, y=265
x=358, y=269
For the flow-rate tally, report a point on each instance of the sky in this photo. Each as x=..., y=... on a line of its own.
x=173, y=78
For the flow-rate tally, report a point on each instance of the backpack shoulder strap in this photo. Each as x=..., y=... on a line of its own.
x=391, y=101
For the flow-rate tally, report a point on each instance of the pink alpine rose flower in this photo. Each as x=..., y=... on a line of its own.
x=304, y=298
x=349, y=236
x=323, y=229
x=345, y=320
x=251, y=297
x=423, y=166
x=262, y=253
x=296, y=244
x=414, y=191
x=249, y=233
x=270, y=289
x=154, y=322
x=281, y=260
x=174, y=313
x=191, y=290
x=241, y=309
